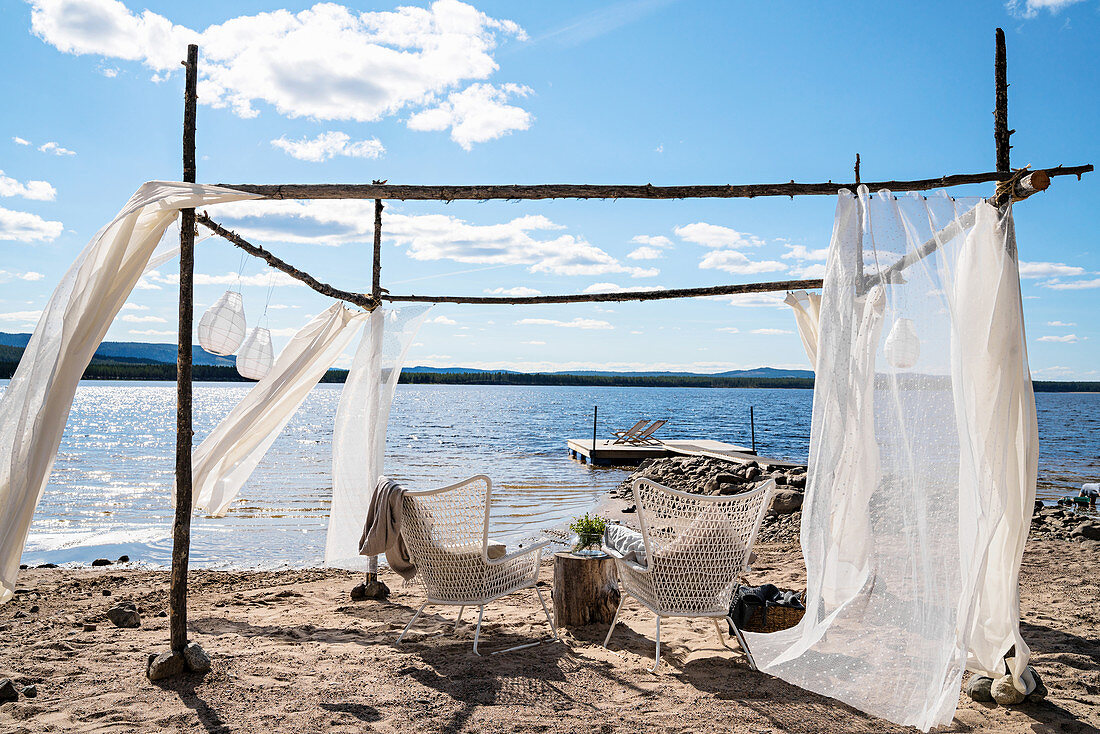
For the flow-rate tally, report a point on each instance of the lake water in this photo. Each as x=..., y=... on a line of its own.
x=110, y=491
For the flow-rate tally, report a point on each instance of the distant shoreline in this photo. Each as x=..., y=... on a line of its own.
x=205, y=373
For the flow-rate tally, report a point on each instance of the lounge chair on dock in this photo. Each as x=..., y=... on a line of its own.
x=645, y=437
x=628, y=435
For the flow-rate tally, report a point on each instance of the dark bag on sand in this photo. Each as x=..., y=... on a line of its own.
x=765, y=608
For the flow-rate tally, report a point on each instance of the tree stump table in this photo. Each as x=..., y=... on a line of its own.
x=584, y=590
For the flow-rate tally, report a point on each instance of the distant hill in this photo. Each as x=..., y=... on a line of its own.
x=131, y=352
x=766, y=373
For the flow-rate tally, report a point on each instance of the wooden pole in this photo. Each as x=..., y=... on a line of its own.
x=181, y=528
x=376, y=280
x=586, y=191
x=1001, y=133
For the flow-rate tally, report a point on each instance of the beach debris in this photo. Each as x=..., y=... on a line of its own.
x=124, y=614
x=1004, y=691
x=89, y=627
x=195, y=658
x=8, y=691
x=101, y=562
x=165, y=665
x=30, y=691
x=979, y=688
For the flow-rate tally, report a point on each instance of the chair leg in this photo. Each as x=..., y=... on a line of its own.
x=718, y=629
x=657, y=659
x=553, y=627
x=477, y=632
x=614, y=620
x=744, y=645
x=410, y=624
x=457, y=621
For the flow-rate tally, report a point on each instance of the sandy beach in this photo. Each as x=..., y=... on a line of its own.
x=293, y=653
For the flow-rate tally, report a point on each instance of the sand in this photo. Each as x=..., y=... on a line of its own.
x=293, y=653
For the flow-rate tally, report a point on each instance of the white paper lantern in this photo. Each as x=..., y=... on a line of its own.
x=255, y=357
x=222, y=327
x=902, y=346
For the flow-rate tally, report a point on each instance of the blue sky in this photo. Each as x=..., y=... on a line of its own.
x=639, y=91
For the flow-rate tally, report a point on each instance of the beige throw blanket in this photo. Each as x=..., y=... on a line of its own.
x=382, y=530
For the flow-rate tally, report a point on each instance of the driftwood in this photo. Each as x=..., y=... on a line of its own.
x=584, y=590
x=181, y=527
x=364, y=301
x=597, y=191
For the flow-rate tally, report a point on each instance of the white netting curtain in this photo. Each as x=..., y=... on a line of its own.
x=36, y=404
x=359, y=438
x=922, y=479
x=227, y=457
x=807, y=316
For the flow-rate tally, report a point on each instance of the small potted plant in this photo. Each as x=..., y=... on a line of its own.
x=588, y=534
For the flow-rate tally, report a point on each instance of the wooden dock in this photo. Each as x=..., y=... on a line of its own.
x=606, y=452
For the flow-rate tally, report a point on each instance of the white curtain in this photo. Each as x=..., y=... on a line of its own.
x=922, y=476
x=227, y=457
x=359, y=438
x=36, y=404
x=807, y=316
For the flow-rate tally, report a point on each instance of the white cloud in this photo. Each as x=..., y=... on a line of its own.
x=52, y=147
x=476, y=114
x=327, y=62
x=817, y=270
x=729, y=329
x=37, y=190
x=265, y=278
x=645, y=253
x=1031, y=8
x=20, y=141
x=659, y=240
x=329, y=145
x=799, y=252
x=442, y=320
x=522, y=241
x=1047, y=270
x=713, y=235
x=771, y=332
x=1073, y=285
x=131, y=318
x=134, y=307
x=616, y=288
x=756, y=300
x=6, y=276
x=534, y=343
x=152, y=332
x=1067, y=339
x=16, y=226
x=518, y=292
x=26, y=317
x=577, y=323
x=732, y=261
x=1061, y=323
x=285, y=331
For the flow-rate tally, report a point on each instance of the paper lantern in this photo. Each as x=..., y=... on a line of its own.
x=222, y=327
x=255, y=357
x=902, y=346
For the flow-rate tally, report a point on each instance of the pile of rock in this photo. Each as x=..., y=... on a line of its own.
x=703, y=475
x=1002, y=690
x=1061, y=523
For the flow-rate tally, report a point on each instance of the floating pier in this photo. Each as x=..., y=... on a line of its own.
x=606, y=452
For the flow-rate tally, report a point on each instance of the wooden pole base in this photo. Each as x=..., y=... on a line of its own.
x=584, y=590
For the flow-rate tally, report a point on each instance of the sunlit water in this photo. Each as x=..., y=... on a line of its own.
x=110, y=491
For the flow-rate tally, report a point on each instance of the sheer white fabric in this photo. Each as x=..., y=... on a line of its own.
x=922, y=479
x=36, y=404
x=227, y=457
x=807, y=315
x=359, y=438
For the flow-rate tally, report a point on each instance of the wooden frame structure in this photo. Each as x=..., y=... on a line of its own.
x=1011, y=185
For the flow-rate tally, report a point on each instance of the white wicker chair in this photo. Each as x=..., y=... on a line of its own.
x=447, y=534
x=697, y=548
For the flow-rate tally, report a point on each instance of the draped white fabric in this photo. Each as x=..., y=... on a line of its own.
x=359, y=438
x=36, y=404
x=922, y=479
x=807, y=315
x=227, y=457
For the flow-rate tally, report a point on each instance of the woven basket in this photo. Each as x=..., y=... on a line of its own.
x=773, y=619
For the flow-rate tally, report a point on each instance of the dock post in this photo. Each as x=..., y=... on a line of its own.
x=752, y=428
x=595, y=412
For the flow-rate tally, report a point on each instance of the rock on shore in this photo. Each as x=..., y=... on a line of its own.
x=703, y=475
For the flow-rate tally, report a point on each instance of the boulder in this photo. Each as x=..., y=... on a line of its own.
x=123, y=559
x=166, y=665
x=711, y=486
x=124, y=615
x=370, y=590
x=89, y=627
x=101, y=562
x=979, y=689
x=195, y=658
x=786, y=501
x=728, y=489
x=1004, y=692
x=752, y=472
x=30, y=691
x=8, y=691
x=796, y=480
x=1087, y=530
x=727, y=479
x=46, y=565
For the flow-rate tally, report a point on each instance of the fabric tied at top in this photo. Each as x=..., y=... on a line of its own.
x=923, y=460
x=36, y=404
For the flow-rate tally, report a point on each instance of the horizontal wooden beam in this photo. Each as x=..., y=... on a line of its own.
x=599, y=191
x=359, y=299
x=658, y=295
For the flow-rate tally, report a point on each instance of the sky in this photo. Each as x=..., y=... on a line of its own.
x=628, y=92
